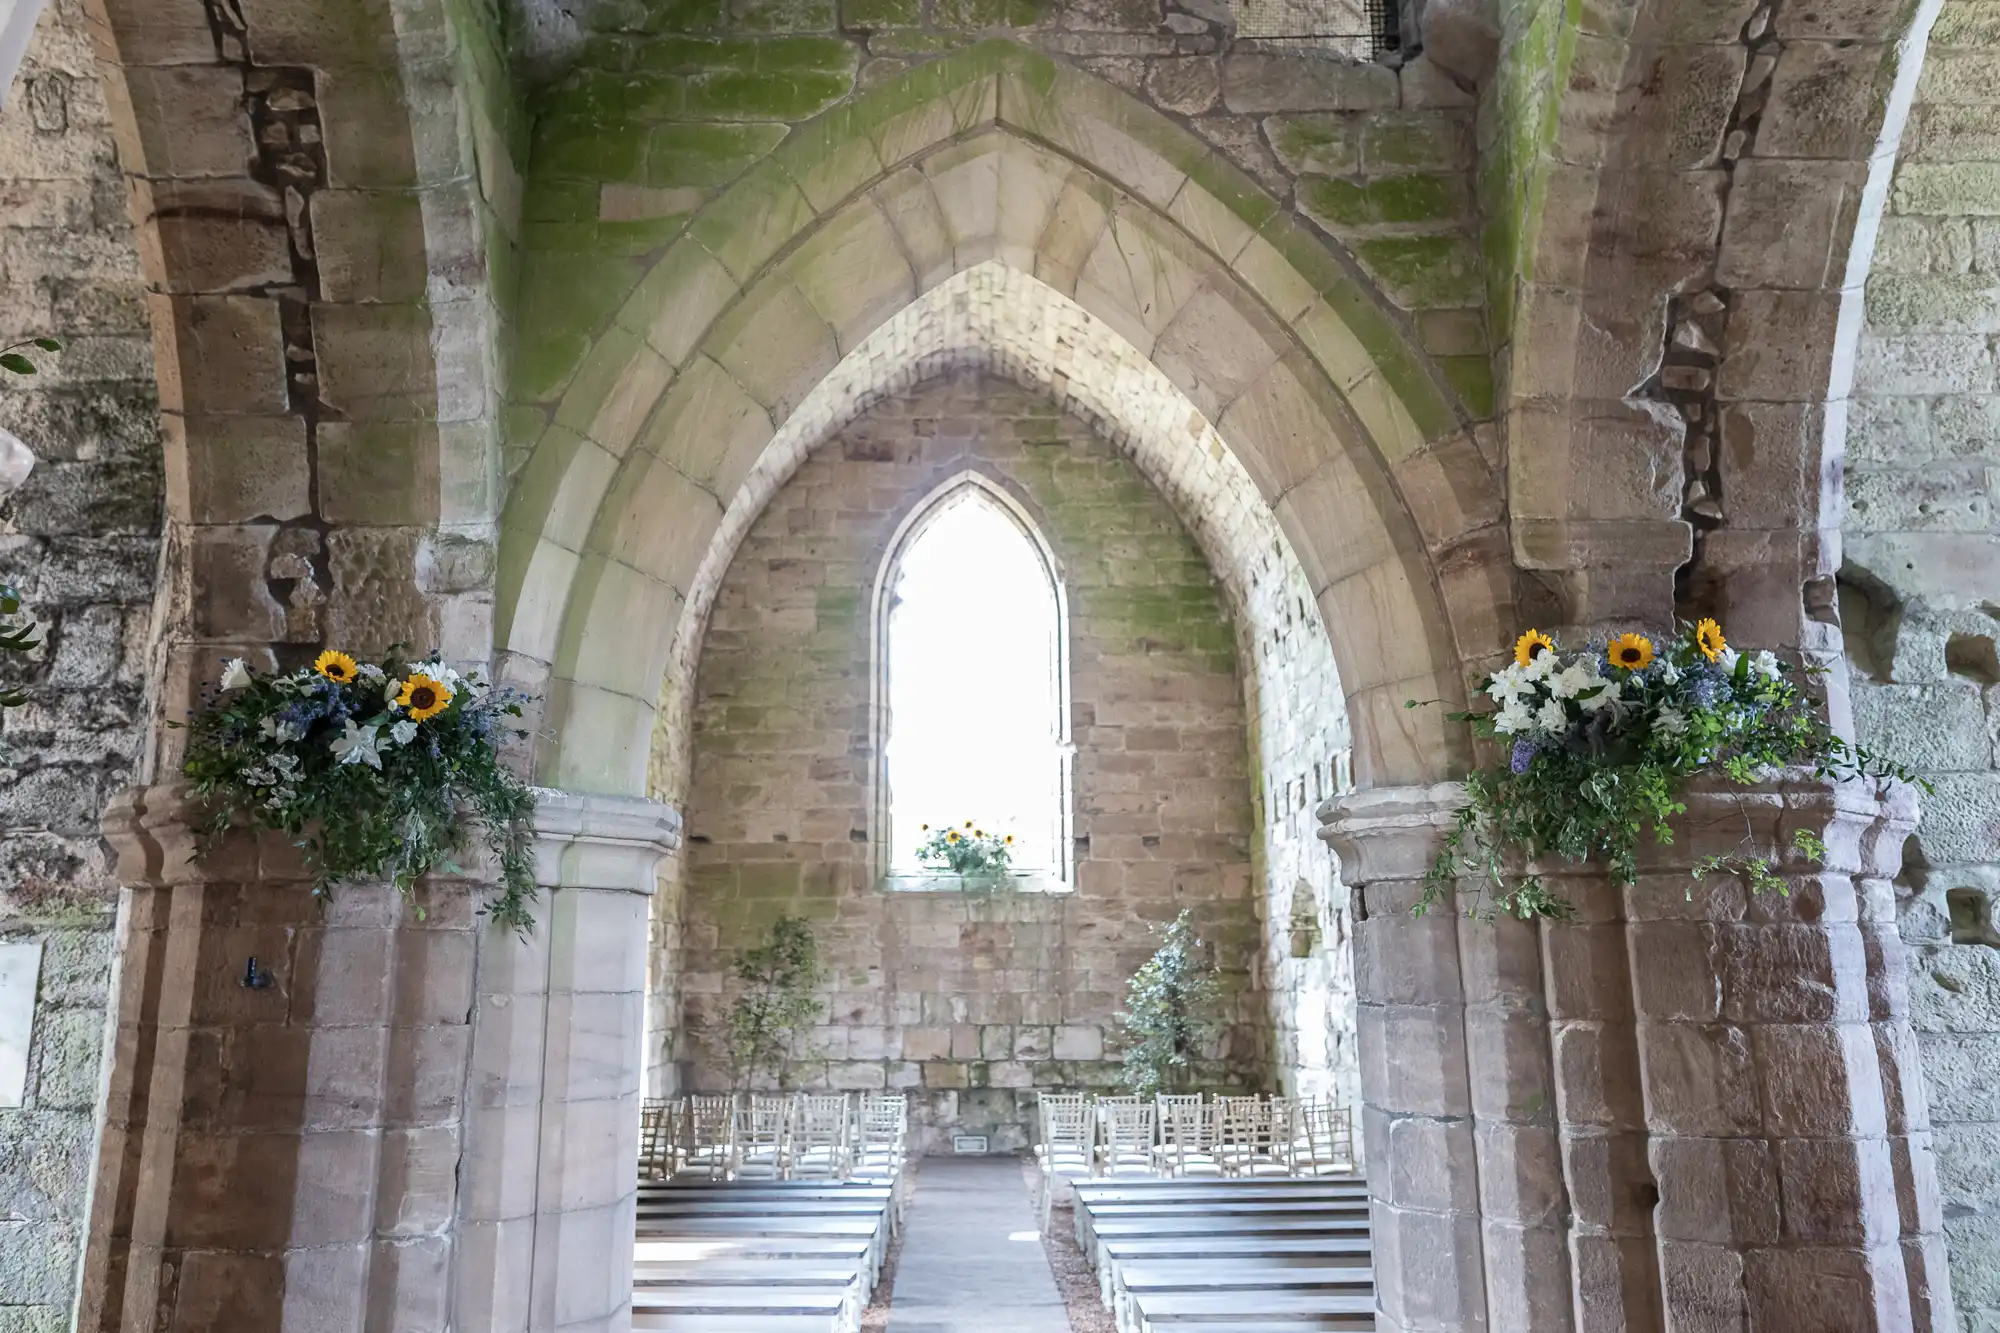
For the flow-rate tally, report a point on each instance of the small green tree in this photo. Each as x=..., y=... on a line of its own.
x=776, y=1002
x=1171, y=1012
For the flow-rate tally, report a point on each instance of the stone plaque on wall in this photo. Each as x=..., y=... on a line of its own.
x=20, y=970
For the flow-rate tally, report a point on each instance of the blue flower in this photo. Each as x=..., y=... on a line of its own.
x=1525, y=751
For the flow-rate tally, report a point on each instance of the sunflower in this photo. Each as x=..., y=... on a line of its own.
x=1708, y=638
x=951, y=836
x=1634, y=652
x=1009, y=840
x=927, y=828
x=336, y=667
x=423, y=697
x=968, y=823
x=1532, y=645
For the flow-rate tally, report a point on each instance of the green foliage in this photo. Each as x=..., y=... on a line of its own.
x=969, y=851
x=373, y=768
x=776, y=1003
x=1603, y=742
x=1172, y=1011
x=15, y=637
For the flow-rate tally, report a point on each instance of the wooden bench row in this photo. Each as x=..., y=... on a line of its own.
x=769, y=1257
x=1245, y=1256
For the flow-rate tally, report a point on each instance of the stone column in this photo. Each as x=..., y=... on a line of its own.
x=552, y=1118
x=1764, y=1022
x=288, y=1156
x=277, y=1155
x=1420, y=1097
x=1689, y=1108
x=1880, y=857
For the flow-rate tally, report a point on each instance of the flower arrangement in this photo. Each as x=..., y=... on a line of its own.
x=373, y=766
x=967, y=851
x=1602, y=740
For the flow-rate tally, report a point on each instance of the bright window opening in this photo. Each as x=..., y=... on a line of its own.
x=973, y=685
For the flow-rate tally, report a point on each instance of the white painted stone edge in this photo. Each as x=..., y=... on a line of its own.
x=585, y=840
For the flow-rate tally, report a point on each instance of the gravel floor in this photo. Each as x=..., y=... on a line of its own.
x=1074, y=1278
x=875, y=1319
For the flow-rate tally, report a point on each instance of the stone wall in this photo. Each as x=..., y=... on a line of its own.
x=1300, y=740
x=969, y=1001
x=81, y=540
x=1919, y=587
x=661, y=105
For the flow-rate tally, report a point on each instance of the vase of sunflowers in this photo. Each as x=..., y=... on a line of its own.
x=371, y=766
x=1602, y=740
x=980, y=859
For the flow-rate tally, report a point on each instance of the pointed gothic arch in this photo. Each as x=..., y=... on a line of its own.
x=997, y=155
x=971, y=485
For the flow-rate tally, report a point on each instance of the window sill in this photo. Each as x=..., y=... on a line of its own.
x=977, y=886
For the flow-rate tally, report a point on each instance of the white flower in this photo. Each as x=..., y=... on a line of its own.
x=1515, y=717
x=358, y=745
x=284, y=733
x=1553, y=718
x=1540, y=667
x=392, y=689
x=1575, y=678
x=403, y=732
x=369, y=671
x=1669, y=673
x=1603, y=698
x=1669, y=722
x=235, y=675
x=1765, y=664
x=1505, y=686
x=1727, y=661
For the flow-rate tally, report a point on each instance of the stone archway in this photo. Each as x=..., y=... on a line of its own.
x=997, y=154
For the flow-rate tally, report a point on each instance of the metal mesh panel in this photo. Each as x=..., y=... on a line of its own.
x=1359, y=29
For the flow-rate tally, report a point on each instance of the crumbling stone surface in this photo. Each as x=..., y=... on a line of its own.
x=81, y=540
x=1918, y=601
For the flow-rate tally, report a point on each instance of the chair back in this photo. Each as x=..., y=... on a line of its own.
x=706, y=1124
x=822, y=1143
x=1127, y=1128
x=1325, y=1142
x=882, y=1131
x=658, y=1119
x=761, y=1136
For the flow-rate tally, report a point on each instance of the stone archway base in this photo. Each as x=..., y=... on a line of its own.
x=1690, y=1107
x=420, y=1123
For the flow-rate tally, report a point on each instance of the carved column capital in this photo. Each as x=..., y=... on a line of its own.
x=589, y=841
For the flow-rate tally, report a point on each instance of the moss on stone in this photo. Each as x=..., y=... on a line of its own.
x=1327, y=145
x=784, y=15
x=1472, y=378
x=872, y=15
x=726, y=95
x=706, y=155
x=981, y=15
x=585, y=148
x=1385, y=200
x=566, y=298
x=1423, y=271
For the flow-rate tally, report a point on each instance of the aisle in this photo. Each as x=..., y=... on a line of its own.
x=972, y=1259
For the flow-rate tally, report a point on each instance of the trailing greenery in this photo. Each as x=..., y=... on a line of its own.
x=1602, y=743
x=776, y=1003
x=1172, y=1011
x=374, y=768
x=968, y=851
x=18, y=637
